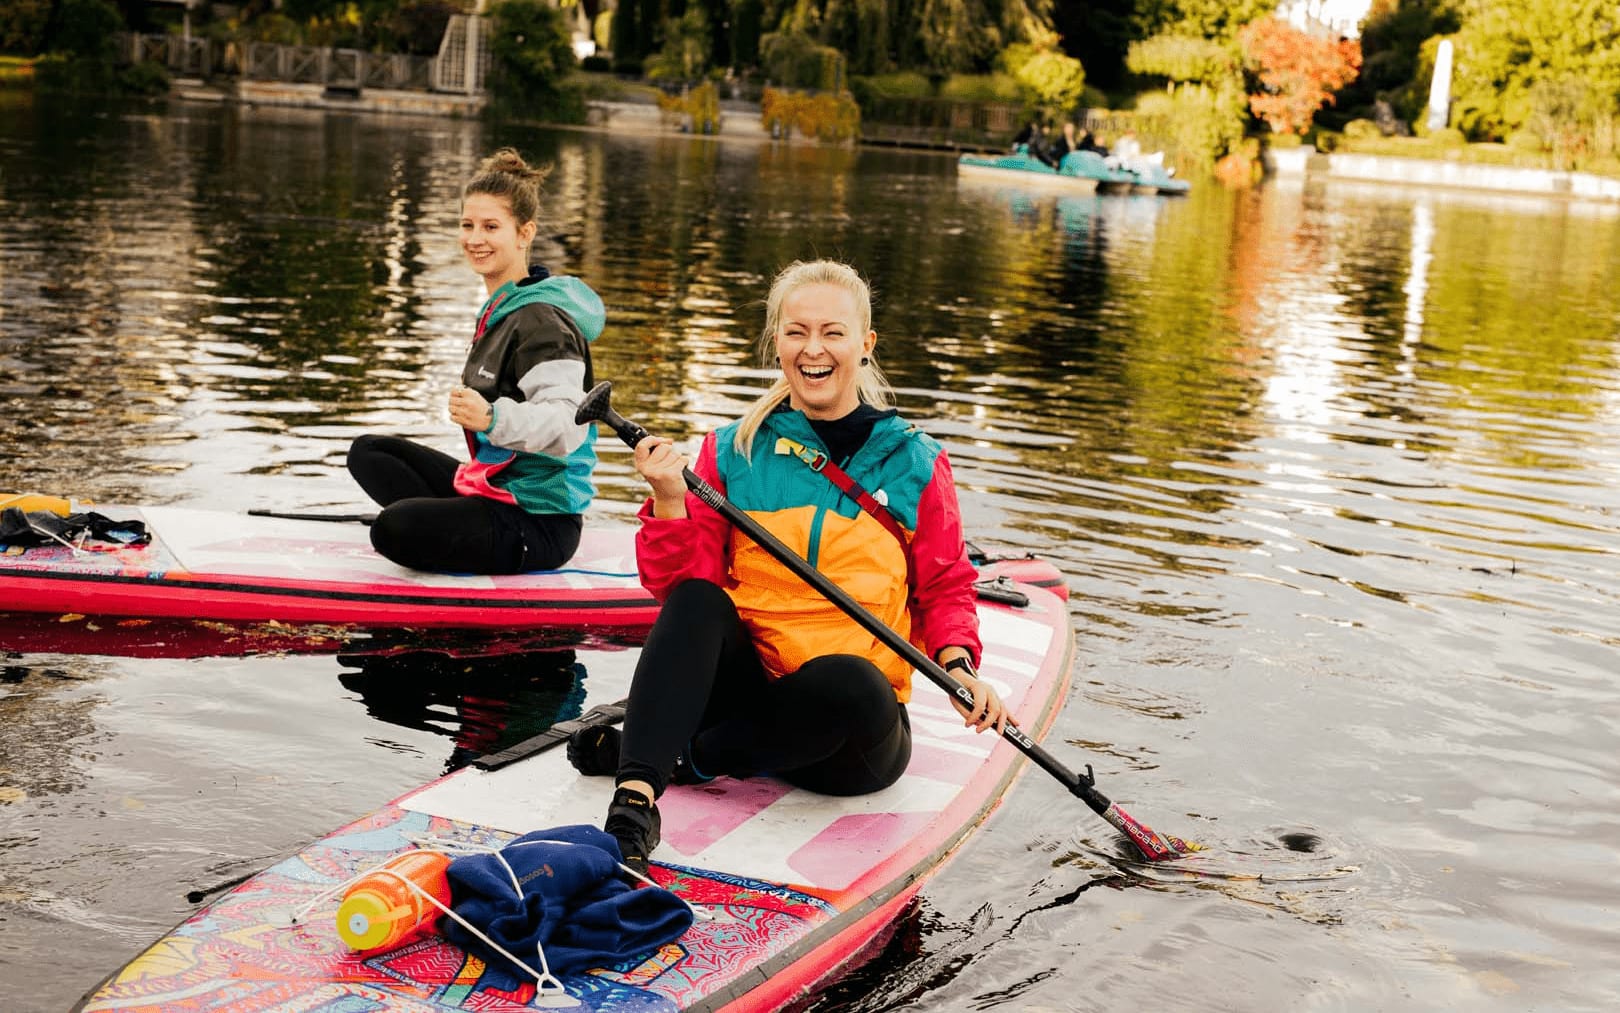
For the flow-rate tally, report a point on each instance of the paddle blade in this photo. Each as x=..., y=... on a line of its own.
x=1155, y=847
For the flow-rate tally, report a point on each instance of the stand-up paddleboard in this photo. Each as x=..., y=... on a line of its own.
x=799, y=883
x=214, y=565
x=213, y=583
x=137, y=637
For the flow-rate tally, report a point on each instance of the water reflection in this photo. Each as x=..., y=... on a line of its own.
x=482, y=703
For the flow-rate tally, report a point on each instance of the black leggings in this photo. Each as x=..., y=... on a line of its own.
x=426, y=525
x=834, y=726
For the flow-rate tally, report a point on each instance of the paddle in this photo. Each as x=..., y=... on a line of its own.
x=1153, y=846
x=293, y=515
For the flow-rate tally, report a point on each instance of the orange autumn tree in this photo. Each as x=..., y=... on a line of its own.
x=1298, y=73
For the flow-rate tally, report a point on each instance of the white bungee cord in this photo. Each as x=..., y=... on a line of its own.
x=545, y=982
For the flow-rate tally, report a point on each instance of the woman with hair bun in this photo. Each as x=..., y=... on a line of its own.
x=517, y=503
x=748, y=670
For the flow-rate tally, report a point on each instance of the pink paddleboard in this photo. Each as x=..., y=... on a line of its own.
x=214, y=565
x=798, y=884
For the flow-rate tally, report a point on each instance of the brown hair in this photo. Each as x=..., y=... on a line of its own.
x=506, y=175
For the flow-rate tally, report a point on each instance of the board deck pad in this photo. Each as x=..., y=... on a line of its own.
x=216, y=565
x=798, y=882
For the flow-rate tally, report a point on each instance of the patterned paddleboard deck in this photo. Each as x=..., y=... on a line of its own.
x=798, y=882
x=215, y=565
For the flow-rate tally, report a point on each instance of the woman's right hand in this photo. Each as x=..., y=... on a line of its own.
x=662, y=465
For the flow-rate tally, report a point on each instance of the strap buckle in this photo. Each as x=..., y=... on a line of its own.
x=814, y=458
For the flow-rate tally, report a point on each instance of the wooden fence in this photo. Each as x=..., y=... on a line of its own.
x=461, y=65
x=943, y=123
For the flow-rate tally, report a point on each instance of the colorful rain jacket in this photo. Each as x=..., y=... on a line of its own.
x=530, y=359
x=791, y=623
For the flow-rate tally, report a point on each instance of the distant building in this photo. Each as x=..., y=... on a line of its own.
x=1328, y=18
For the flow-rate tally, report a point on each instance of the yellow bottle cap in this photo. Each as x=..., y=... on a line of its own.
x=365, y=920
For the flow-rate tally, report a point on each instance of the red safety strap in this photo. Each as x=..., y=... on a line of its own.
x=820, y=462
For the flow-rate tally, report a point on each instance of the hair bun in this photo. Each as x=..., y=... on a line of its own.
x=508, y=160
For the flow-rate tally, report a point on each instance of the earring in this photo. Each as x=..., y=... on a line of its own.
x=865, y=361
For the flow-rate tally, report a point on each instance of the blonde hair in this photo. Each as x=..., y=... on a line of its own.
x=872, y=385
x=506, y=175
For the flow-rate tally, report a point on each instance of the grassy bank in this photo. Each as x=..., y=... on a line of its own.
x=16, y=71
x=1451, y=150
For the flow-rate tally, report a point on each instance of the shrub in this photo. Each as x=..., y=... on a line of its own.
x=901, y=84
x=697, y=109
x=59, y=72
x=795, y=60
x=1195, y=123
x=1362, y=130
x=982, y=88
x=1448, y=137
x=834, y=118
x=1238, y=170
x=1527, y=141
x=145, y=78
x=596, y=64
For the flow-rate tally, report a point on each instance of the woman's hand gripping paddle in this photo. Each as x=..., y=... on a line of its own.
x=1153, y=846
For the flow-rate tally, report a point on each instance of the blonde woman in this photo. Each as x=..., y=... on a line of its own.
x=748, y=670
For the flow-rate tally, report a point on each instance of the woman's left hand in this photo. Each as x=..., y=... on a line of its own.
x=469, y=410
x=988, y=711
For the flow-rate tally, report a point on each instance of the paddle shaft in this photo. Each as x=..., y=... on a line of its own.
x=1149, y=843
x=293, y=515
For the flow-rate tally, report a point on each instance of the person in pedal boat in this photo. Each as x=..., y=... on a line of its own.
x=517, y=503
x=748, y=670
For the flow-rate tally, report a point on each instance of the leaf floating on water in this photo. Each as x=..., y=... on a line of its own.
x=134, y=622
x=10, y=793
x=69, y=617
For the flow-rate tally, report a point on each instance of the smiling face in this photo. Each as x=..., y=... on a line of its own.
x=493, y=242
x=820, y=343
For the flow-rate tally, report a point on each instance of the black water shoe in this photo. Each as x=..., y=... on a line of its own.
x=633, y=821
x=594, y=750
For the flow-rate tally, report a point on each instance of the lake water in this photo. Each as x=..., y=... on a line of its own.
x=1332, y=472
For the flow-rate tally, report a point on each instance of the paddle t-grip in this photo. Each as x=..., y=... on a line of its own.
x=596, y=408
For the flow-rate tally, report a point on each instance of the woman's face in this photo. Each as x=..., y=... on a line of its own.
x=820, y=345
x=492, y=241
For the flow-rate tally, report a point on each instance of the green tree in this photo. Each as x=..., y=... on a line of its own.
x=1505, y=47
x=1183, y=58
x=1053, y=81
x=22, y=25
x=1205, y=19
x=533, y=56
x=1199, y=115
x=1392, y=69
